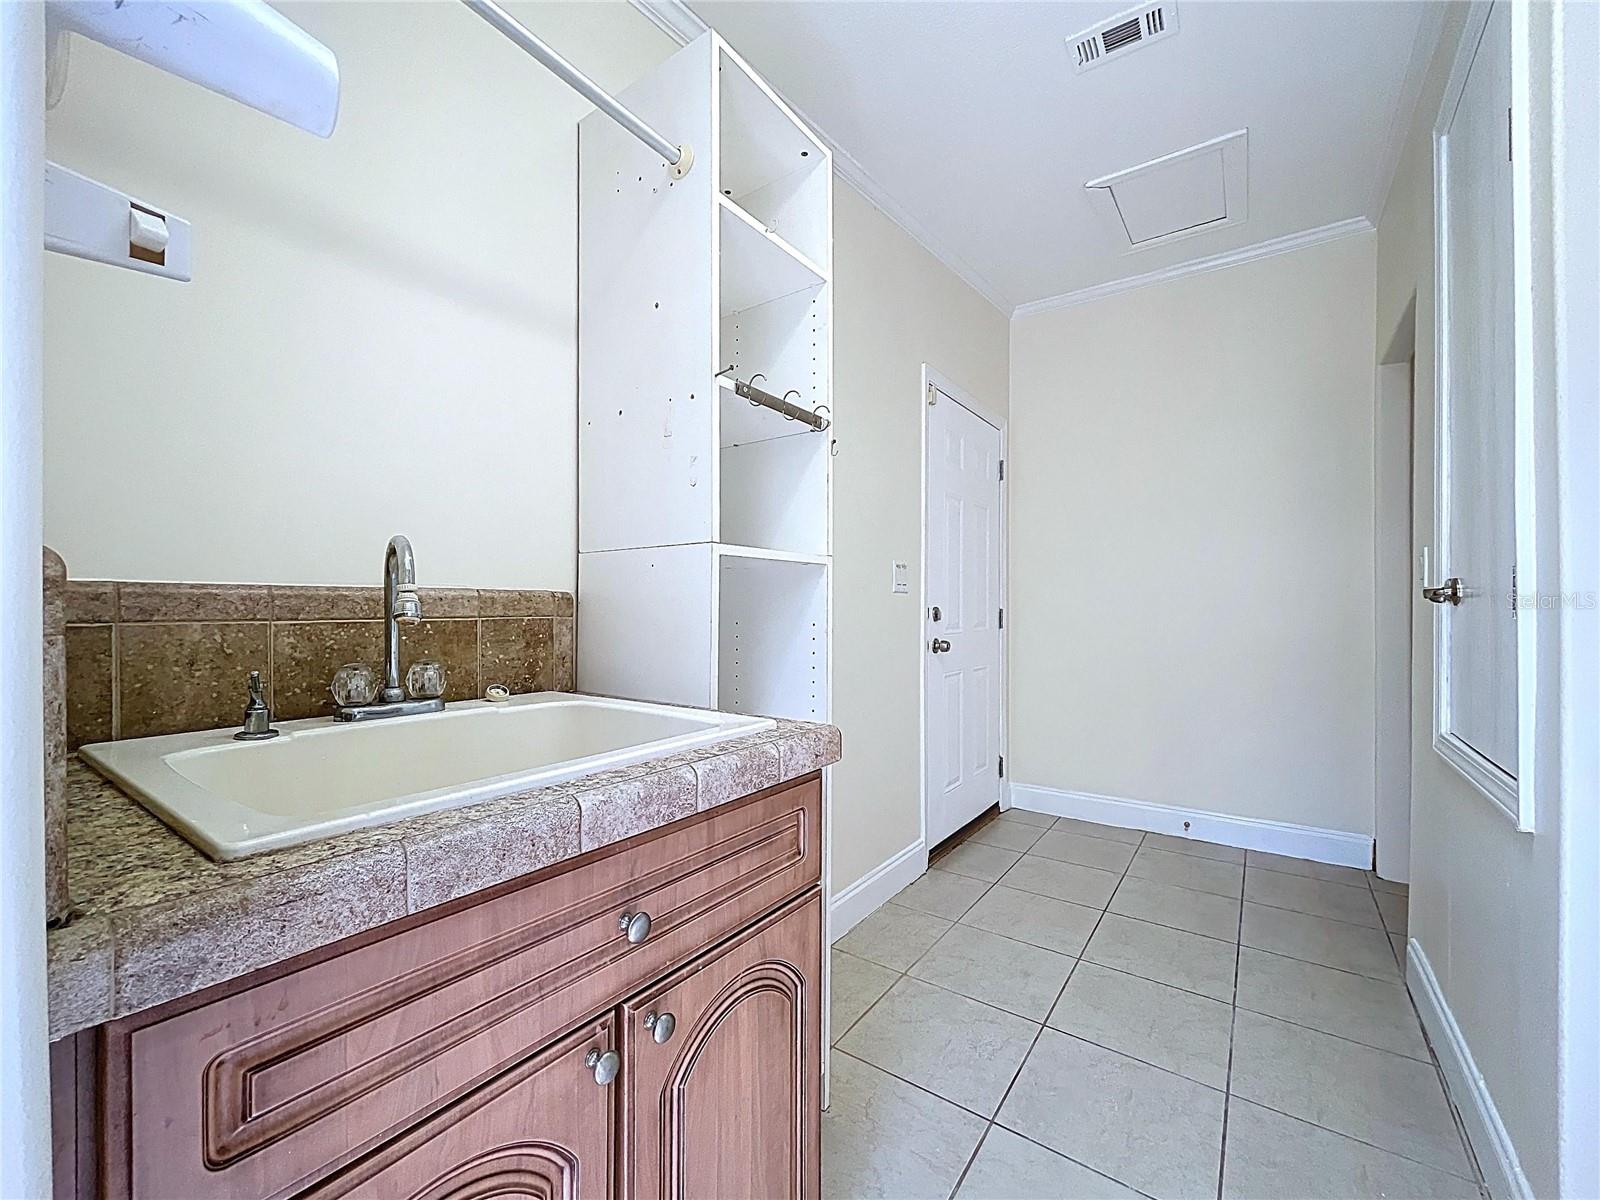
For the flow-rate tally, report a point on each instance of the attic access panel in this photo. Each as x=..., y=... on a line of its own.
x=1177, y=195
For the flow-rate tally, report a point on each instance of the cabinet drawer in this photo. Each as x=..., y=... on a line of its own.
x=267, y=1089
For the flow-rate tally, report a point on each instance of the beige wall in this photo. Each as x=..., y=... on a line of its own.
x=1191, y=542
x=895, y=308
x=1483, y=896
x=380, y=335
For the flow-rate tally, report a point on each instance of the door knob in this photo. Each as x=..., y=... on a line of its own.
x=660, y=1025
x=941, y=646
x=1449, y=592
x=635, y=925
x=605, y=1066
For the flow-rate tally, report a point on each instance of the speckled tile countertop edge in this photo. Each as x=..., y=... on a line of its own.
x=156, y=920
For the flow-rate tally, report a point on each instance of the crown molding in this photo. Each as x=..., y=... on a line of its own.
x=1199, y=266
x=1423, y=47
x=682, y=24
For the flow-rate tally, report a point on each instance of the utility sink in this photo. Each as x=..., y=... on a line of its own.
x=320, y=777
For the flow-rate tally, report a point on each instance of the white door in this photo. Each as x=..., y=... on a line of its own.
x=961, y=642
x=1477, y=700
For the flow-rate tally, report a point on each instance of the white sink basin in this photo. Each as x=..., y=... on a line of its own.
x=321, y=777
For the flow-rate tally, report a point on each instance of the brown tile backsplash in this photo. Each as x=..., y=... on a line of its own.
x=150, y=658
x=193, y=602
x=173, y=677
x=91, y=684
x=305, y=654
x=518, y=652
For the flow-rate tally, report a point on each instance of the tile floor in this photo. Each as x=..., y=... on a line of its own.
x=1060, y=1009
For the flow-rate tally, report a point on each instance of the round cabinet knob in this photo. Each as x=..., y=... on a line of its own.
x=605, y=1066
x=661, y=1026
x=635, y=925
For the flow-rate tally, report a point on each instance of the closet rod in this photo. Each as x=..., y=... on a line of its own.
x=750, y=392
x=679, y=158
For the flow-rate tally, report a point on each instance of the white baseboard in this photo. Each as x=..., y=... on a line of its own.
x=1249, y=833
x=1497, y=1157
x=867, y=894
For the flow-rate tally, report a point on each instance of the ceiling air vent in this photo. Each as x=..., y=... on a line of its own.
x=1124, y=32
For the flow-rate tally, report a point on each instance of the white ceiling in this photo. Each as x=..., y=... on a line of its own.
x=968, y=124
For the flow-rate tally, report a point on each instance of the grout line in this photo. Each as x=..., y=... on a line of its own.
x=1227, y=1087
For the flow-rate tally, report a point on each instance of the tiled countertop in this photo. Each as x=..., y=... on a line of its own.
x=156, y=919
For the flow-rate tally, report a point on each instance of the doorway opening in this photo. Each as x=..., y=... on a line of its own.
x=1394, y=475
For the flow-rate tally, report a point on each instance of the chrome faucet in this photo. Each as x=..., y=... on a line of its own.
x=400, y=607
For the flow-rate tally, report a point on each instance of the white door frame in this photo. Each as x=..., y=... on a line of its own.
x=931, y=379
x=1513, y=796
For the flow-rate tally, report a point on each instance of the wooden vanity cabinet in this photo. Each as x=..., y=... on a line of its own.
x=456, y=1055
x=728, y=1102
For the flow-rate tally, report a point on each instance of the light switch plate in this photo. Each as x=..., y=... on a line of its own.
x=900, y=578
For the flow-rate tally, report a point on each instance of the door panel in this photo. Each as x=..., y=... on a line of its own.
x=727, y=1105
x=543, y=1130
x=1478, y=534
x=963, y=570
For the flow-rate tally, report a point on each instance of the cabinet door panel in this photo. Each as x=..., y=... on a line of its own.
x=728, y=1106
x=542, y=1130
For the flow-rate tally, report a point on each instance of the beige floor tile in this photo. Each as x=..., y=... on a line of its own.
x=1318, y=897
x=942, y=893
x=1271, y=1156
x=1398, y=941
x=1327, y=872
x=1113, y=833
x=1181, y=908
x=1162, y=1134
x=1037, y=819
x=1375, y=1012
x=960, y=1049
x=1194, y=846
x=894, y=936
x=1394, y=910
x=1380, y=884
x=1009, y=1167
x=1039, y=920
x=1158, y=1024
x=1008, y=974
x=857, y=984
x=1319, y=940
x=1171, y=956
x=1065, y=846
x=882, y=1137
x=1374, y=1096
x=978, y=861
x=1063, y=881
x=1008, y=835
x=1188, y=871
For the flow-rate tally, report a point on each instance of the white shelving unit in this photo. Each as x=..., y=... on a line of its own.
x=704, y=523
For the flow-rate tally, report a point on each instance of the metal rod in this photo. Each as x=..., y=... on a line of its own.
x=574, y=78
x=794, y=412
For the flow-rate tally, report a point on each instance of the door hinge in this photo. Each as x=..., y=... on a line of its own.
x=1513, y=591
x=1002, y=470
x=933, y=395
x=1509, y=136
x=1002, y=618
x=1002, y=766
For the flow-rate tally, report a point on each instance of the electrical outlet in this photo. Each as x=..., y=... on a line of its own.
x=899, y=578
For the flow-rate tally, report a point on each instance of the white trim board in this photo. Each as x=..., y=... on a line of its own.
x=1249, y=833
x=1465, y=1083
x=682, y=24
x=869, y=893
x=1199, y=266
